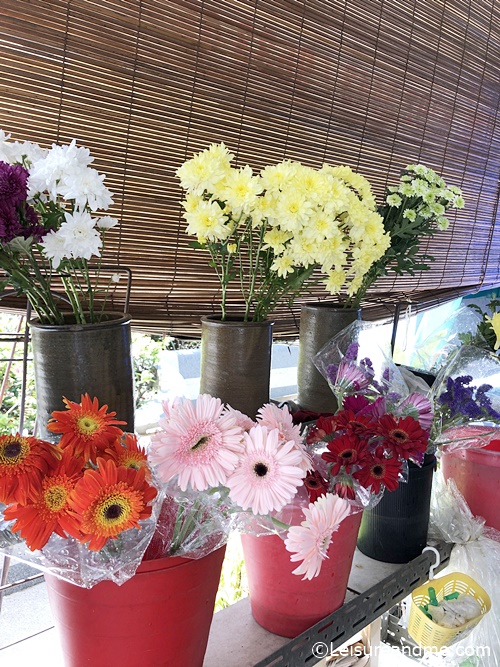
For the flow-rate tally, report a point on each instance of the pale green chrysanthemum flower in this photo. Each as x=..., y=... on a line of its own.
x=437, y=209
x=422, y=170
x=394, y=200
x=406, y=189
x=410, y=214
x=419, y=187
x=425, y=212
x=442, y=223
x=458, y=202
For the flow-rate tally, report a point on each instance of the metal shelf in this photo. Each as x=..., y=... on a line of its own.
x=373, y=589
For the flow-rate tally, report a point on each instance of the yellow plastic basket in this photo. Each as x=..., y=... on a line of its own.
x=430, y=635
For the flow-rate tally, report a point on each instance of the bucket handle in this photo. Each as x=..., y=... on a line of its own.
x=436, y=564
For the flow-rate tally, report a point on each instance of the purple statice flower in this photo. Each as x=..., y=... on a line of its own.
x=331, y=371
x=485, y=402
x=352, y=352
x=13, y=184
x=459, y=399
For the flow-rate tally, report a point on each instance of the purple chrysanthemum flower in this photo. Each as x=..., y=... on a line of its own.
x=9, y=223
x=13, y=184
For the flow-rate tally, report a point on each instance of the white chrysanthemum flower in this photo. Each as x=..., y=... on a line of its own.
x=309, y=542
x=269, y=472
x=107, y=222
x=49, y=170
x=54, y=247
x=198, y=442
x=81, y=238
x=86, y=187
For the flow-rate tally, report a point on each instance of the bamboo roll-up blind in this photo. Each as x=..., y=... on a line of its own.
x=376, y=84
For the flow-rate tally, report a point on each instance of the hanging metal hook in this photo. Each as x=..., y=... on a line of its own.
x=436, y=564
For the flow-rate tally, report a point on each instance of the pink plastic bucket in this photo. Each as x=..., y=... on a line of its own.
x=476, y=473
x=281, y=601
x=161, y=616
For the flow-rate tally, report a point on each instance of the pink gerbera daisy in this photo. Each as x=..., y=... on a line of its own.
x=419, y=407
x=269, y=473
x=198, y=443
x=273, y=417
x=243, y=421
x=309, y=542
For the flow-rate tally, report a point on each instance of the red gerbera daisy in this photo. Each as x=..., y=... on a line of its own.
x=23, y=463
x=109, y=501
x=354, y=423
x=377, y=470
x=404, y=436
x=344, y=452
x=324, y=427
x=127, y=452
x=85, y=427
x=344, y=487
x=49, y=512
x=315, y=485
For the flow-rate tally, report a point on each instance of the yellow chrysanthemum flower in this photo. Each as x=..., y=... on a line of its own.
x=207, y=220
x=240, y=189
x=494, y=321
x=283, y=265
x=335, y=281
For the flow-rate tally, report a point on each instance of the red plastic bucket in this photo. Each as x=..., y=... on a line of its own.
x=476, y=473
x=281, y=601
x=161, y=616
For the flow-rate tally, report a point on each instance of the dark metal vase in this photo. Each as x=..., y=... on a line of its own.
x=236, y=362
x=319, y=322
x=395, y=530
x=74, y=359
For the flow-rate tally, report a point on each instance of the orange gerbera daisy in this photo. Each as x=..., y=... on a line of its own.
x=49, y=511
x=23, y=463
x=127, y=452
x=85, y=427
x=110, y=500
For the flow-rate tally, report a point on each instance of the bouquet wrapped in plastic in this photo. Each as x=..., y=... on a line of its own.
x=466, y=397
x=85, y=509
x=93, y=507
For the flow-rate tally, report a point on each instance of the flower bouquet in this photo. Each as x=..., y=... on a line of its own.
x=268, y=232
x=50, y=229
x=413, y=209
x=301, y=495
x=84, y=509
x=395, y=530
x=466, y=396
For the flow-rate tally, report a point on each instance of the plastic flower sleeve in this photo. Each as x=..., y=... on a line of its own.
x=431, y=353
x=71, y=561
x=477, y=554
x=191, y=524
x=466, y=397
x=352, y=362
